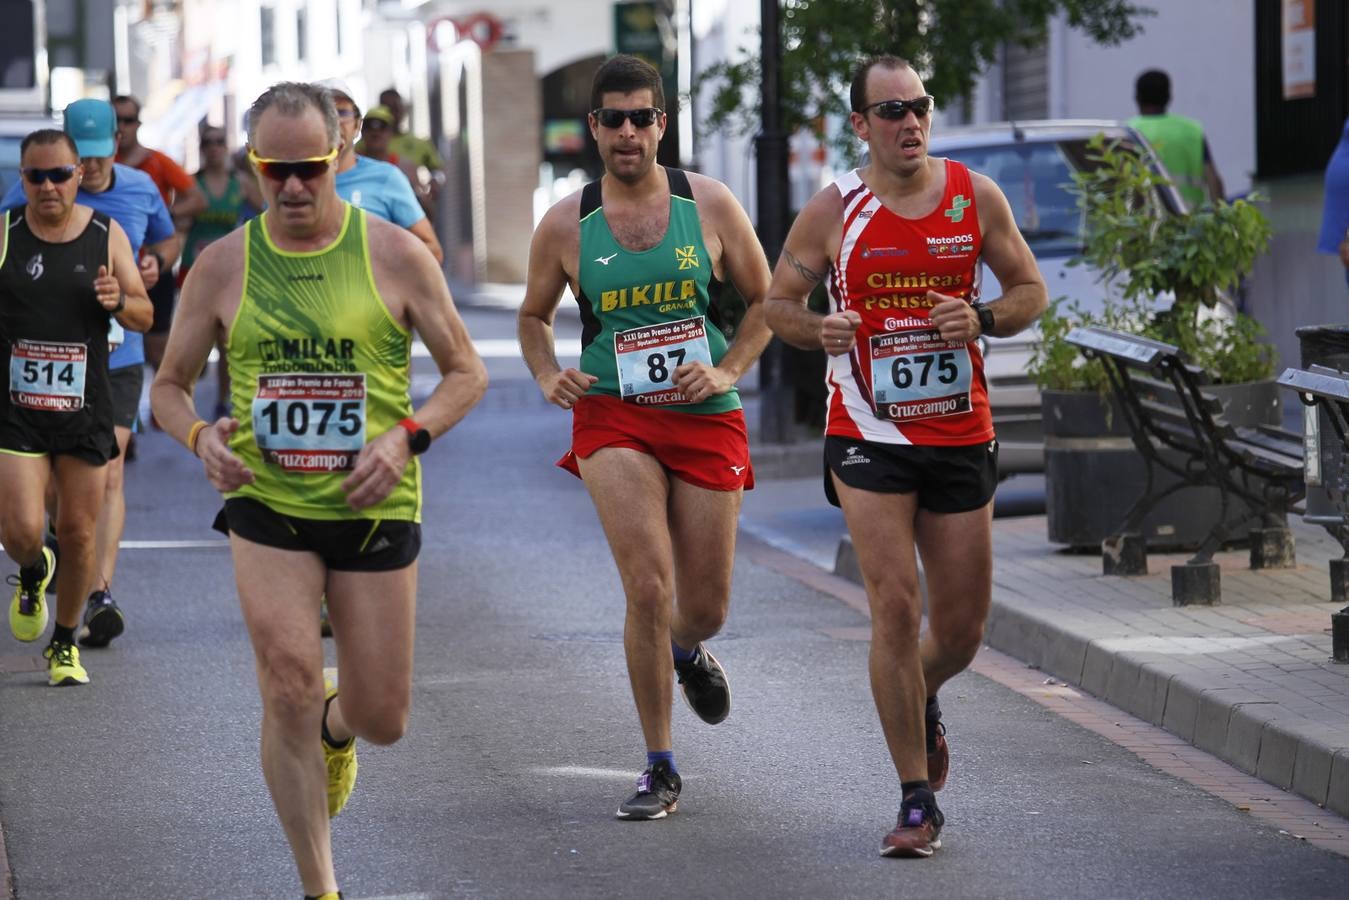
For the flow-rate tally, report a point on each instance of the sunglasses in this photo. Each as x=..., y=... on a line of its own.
x=374, y=125
x=346, y=112
x=59, y=175
x=303, y=169
x=213, y=142
x=128, y=120
x=894, y=110
x=640, y=118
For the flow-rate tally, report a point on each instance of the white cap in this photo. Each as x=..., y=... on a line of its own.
x=338, y=86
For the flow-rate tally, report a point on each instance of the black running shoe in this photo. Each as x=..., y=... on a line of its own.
x=657, y=794
x=102, y=621
x=704, y=685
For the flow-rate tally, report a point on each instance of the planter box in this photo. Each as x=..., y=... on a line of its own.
x=1094, y=474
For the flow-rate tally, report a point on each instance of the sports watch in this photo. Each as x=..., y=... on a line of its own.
x=419, y=439
x=986, y=320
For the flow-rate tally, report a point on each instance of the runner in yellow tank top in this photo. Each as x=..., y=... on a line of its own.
x=319, y=303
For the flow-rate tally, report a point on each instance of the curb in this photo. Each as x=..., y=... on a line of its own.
x=1250, y=733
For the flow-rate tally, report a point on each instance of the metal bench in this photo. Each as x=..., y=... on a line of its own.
x=1179, y=427
x=1319, y=386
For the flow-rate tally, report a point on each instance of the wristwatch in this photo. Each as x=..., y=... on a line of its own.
x=986, y=320
x=419, y=439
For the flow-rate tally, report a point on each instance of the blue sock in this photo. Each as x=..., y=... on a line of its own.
x=665, y=756
x=682, y=655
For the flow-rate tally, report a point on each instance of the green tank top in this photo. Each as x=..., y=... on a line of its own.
x=219, y=218
x=318, y=367
x=643, y=314
x=1179, y=142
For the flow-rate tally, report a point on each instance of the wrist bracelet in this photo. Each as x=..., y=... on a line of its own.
x=121, y=304
x=193, y=434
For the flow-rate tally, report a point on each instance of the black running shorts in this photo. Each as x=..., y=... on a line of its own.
x=345, y=545
x=95, y=448
x=126, y=383
x=946, y=479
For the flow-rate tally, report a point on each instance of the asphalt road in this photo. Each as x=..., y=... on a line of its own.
x=523, y=739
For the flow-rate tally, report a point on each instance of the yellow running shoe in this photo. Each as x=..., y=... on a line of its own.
x=341, y=761
x=28, y=610
x=63, y=665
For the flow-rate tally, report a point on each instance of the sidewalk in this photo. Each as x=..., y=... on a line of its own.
x=1250, y=681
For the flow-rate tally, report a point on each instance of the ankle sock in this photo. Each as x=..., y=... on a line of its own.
x=327, y=735
x=908, y=788
x=31, y=576
x=62, y=635
x=680, y=654
x=658, y=756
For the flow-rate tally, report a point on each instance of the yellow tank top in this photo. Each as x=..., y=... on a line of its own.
x=318, y=367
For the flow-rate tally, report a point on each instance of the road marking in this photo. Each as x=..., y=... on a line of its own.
x=583, y=771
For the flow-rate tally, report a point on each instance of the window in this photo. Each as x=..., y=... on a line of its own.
x=302, y=33
x=268, y=36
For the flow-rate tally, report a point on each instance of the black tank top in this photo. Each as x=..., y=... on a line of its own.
x=53, y=331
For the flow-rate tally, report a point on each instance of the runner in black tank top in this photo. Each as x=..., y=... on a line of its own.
x=65, y=271
x=54, y=344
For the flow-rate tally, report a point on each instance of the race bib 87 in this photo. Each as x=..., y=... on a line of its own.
x=918, y=375
x=648, y=356
x=310, y=423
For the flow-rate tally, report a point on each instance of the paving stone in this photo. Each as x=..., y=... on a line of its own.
x=1182, y=708
x=1096, y=669
x=1215, y=712
x=1315, y=760
x=1245, y=728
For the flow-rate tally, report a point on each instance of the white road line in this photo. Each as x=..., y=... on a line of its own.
x=583, y=771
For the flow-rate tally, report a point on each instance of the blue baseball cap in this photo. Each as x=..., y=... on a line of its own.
x=93, y=125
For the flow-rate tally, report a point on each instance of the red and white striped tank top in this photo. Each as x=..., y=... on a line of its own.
x=903, y=384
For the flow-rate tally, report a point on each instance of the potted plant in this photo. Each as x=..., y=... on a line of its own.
x=1147, y=257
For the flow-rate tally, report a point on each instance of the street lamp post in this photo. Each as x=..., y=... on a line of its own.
x=775, y=393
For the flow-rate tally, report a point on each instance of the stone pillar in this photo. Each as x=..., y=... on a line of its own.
x=512, y=123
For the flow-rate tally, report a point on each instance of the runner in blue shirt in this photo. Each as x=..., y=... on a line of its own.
x=130, y=198
x=377, y=187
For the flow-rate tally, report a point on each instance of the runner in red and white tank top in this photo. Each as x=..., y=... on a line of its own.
x=902, y=383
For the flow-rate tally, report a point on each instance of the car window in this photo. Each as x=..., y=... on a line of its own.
x=9, y=162
x=1036, y=178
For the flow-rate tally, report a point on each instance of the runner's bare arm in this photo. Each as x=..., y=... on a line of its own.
x=411, y=279
x=555, y=240
x=744, y=265
x=1024, y=295
x=423, y=230
x=202, y=306
x=121, y=279
x=807, y=253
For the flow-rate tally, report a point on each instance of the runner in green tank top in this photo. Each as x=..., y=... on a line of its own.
x=644, y=250
x=322, y=492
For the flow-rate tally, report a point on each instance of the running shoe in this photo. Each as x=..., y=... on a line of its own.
x=657, y=794
x=704, y=685
x=938, y=753
x=341, y=761
x=331, y=895
x=102, y=621
x=28, y=609
x=63, y=665
x=917, y=832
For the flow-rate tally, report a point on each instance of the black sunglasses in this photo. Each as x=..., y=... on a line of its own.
x=213, y=142
x=894, y=110
x=640, y=118
x=128, y=120
x=59, y=175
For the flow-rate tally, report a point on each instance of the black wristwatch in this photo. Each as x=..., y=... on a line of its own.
x=419, y=439
x=986, y=320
